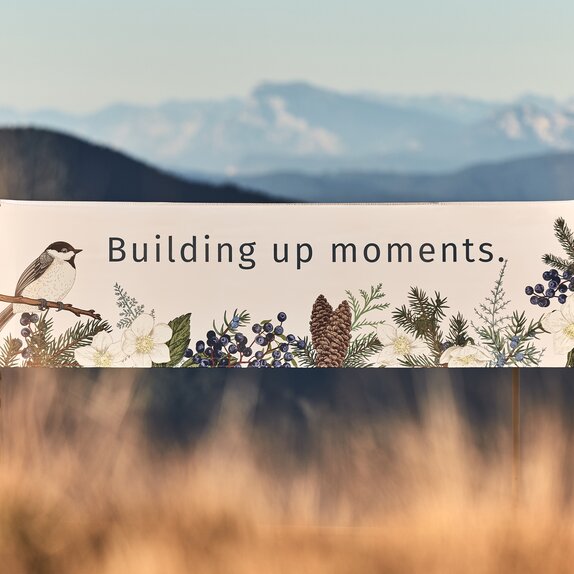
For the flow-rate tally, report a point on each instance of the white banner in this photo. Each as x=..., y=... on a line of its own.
x=272, y=285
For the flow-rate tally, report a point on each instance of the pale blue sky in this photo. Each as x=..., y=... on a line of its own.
x=80, y=55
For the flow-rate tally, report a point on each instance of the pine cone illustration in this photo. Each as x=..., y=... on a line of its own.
x=320, y=317
x=337, y=337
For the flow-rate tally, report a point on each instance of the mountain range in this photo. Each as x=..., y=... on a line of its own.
x=304, y=128
x=546, y=177
x=44, y=165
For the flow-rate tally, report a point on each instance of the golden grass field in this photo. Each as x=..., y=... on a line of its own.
x=84, y=491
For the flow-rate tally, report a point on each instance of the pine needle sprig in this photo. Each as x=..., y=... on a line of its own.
x=10, y=352
x=423, y=318
x=417, y=361
x=61, y=350
x=47, y=351
x=458, y=331
x=557, y=262
x=306, y=357
x=362, y=348
x=38, y=342
x=566, y=239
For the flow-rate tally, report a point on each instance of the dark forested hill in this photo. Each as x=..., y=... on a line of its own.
x=45, y=165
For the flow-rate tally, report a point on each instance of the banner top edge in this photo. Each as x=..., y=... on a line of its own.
x=68, y=203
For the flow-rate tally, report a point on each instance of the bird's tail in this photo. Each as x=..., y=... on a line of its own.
x=5, y=316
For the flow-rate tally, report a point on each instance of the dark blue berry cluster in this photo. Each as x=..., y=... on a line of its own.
x=557, y=286
x=28, y=322
x=269, y=346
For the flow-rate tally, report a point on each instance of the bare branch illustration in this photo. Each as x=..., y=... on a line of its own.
x=50, y=305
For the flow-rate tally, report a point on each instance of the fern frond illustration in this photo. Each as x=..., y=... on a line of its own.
x=130, y=308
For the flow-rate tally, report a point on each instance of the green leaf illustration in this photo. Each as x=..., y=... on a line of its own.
x=180, y=339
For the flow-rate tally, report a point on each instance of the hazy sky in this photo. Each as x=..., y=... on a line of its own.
x=83, y=54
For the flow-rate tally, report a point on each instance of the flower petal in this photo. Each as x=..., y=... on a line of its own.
x=480, y=353
x=116, y=352
x=129, y=343
x=567, y=310
x=161, y=333
x=140, y=360
x=86, y=356
x=562, y=343
x=446, y=357
x=143, y=325
x=554, y=321
x=467, y=356
x=160, y=354
x=386, y=333
x=418, y=347
x=388, y=356
x=102, y=341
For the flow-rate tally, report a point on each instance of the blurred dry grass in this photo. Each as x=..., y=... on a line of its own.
x=82, y=491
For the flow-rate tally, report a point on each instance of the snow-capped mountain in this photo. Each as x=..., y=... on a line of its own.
x=553, y=127
x=297, y=126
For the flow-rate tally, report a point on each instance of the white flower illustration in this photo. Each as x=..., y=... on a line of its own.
x=397, y=344
x=145, y=342
x=103, y=352
x=561, y=324
x=467, y=356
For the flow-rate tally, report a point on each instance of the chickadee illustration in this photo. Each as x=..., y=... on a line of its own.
x=50, y=277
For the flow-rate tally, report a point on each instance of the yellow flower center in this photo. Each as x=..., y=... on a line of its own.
x=467, y=360
x=402, y=345
x=144, y=345
x=569, y=331
x=103, y=359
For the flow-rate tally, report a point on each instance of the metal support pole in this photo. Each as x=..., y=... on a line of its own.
x=516, y=455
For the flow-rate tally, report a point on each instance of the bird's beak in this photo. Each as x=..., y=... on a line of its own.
x=76, y=251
